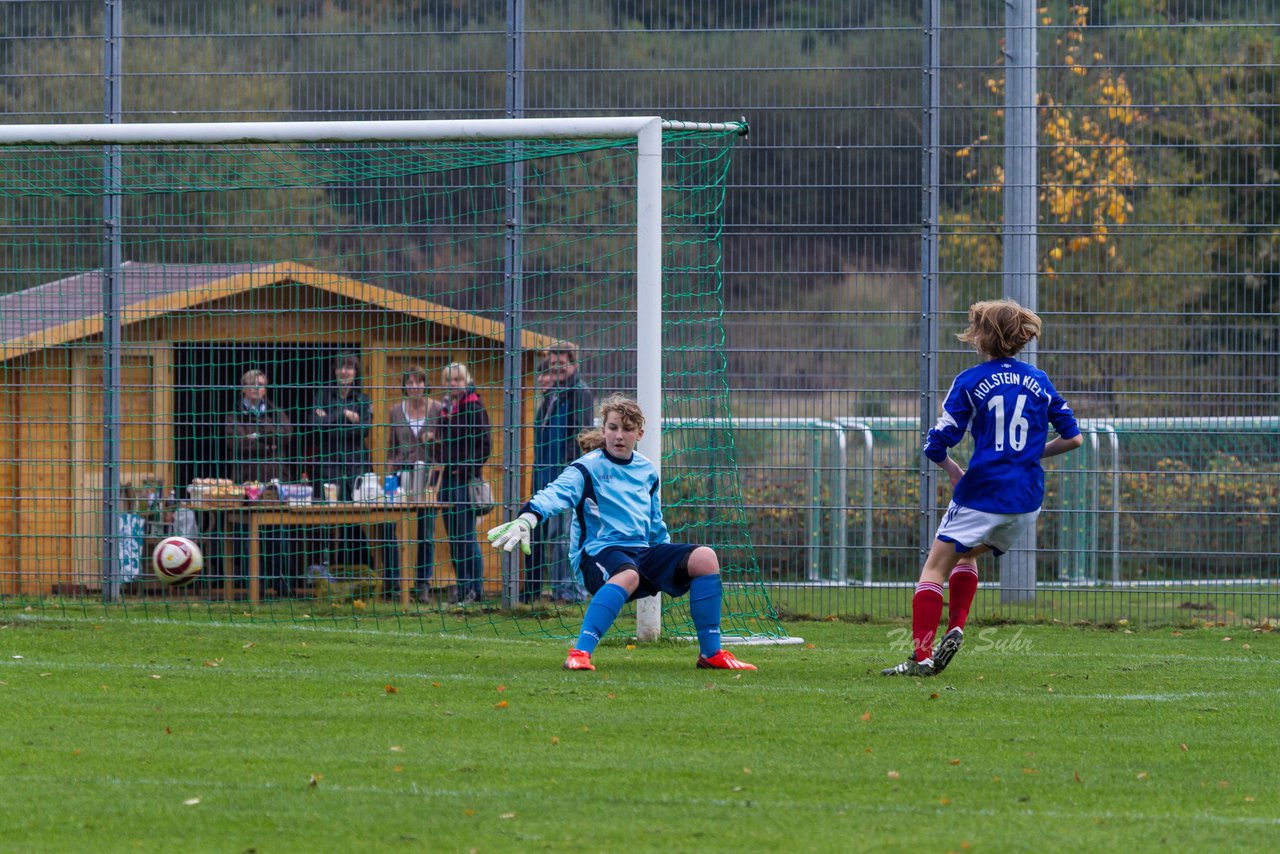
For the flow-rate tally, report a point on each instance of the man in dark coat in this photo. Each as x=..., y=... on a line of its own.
x=564, y=412
x=258, y=436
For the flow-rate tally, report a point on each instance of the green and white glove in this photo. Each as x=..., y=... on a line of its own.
x=517, y=532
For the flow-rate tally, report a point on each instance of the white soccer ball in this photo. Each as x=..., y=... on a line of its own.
x=176, y=561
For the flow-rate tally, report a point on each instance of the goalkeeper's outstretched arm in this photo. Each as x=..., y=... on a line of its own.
x=561, y=494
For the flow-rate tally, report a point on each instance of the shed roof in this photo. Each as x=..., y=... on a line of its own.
x=71, y=309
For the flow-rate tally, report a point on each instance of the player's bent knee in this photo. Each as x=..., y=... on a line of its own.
x=703, y=561
x=627, y=579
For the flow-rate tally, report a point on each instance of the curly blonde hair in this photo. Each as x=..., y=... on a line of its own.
x=629, y=413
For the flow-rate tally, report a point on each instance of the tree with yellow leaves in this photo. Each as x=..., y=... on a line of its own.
x=1086, y=171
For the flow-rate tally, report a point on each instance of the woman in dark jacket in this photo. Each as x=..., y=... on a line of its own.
x=342, y=416
x=462, y=447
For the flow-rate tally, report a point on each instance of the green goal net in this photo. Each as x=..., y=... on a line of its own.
x=307, y=356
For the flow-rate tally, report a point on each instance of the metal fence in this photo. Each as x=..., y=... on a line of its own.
x=1115, y=165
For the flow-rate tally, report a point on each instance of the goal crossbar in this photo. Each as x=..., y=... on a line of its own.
x=372, y=131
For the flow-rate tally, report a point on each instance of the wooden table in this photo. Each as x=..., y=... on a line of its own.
x=403, y=514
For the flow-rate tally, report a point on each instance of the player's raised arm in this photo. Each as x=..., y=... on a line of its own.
x=561, y=494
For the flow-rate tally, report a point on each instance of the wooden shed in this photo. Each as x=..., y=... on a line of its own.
x=188, y=332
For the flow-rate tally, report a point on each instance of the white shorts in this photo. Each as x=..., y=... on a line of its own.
x=971, y=528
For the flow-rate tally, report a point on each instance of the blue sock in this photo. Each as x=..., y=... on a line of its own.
x=705, y=593
x=600, y=615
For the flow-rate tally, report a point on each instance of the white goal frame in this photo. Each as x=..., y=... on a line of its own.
x=646, y=130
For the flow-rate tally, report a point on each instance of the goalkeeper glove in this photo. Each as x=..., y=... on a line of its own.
x=517, y=532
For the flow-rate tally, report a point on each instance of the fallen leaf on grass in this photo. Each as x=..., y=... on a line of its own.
x=866, y=716
x=1077, y=777
x=935, y=695
x=1143, y=775
x=555, y=739
x=155, y=675
x=1184, y=747
x=249, y=645
x=500, y=705
x=395, y=748
x=955, y=761
x=190, y=802
x=501, y=688
x=391, y=689
x=893, y=775
x=507, y=815
x=213, y=662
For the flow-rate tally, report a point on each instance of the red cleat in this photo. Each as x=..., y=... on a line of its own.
x=578, y=660
x=723, y=660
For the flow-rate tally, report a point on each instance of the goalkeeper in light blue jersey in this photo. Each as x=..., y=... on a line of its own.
x=1008, y=406
x=618, y=539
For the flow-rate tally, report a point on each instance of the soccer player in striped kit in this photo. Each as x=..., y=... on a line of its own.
x=618, y=539
x=1008, y=406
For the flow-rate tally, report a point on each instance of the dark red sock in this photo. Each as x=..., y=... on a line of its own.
x=963, y=584
x=926, y=610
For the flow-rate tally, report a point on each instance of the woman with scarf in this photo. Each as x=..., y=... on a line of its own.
x=462, y=446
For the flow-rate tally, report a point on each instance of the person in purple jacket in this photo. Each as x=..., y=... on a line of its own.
x=1008, y=406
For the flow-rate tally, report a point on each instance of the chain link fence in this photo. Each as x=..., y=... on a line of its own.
x=1155, y=262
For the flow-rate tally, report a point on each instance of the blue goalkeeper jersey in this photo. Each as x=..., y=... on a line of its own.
x=1008, y=406
x=614, y=502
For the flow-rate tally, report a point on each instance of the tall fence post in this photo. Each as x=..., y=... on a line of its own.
x=1021, y=199
x=112, y=301
x=931, y=180
x=513, y=299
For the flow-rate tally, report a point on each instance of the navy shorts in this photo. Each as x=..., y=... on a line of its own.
x=663, y=568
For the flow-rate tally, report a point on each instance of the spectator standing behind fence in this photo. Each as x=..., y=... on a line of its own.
x=1008, y=406
x=564, y=411
x=413, y=423
x=258, y=436
x=342, y=416
x=462, y=446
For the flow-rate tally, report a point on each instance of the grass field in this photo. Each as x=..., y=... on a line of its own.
x=126, y=736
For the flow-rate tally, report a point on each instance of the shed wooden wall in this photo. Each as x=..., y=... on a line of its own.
x=52, y=401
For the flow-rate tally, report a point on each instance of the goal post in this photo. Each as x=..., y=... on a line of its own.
x=470, y=143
